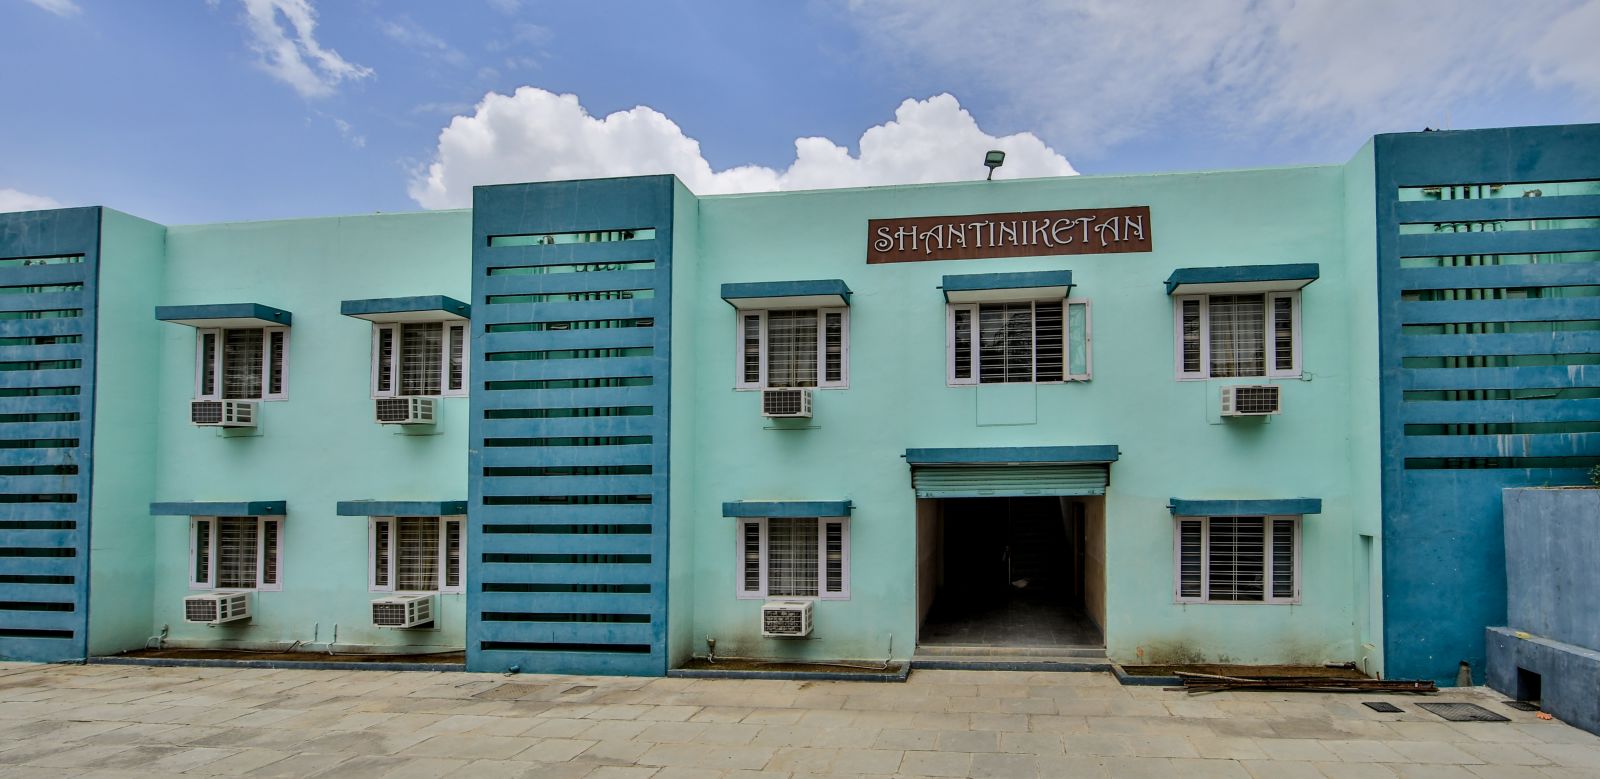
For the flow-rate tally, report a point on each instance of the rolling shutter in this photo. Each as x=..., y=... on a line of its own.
x=990, y=481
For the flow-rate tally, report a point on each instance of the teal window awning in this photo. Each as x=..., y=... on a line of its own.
x=423, y=308
x=225, y=315
x=787, y=508
x=244, y=508
x=816, y=293
x=1242, y=279
x=1245, y=508
x=999, y=455
x=994, y=287
x=401, y=508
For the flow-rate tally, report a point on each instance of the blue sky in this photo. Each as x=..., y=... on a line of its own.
x=202, y=110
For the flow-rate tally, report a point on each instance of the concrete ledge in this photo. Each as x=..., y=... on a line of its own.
x=1569, y=675
x=310, y=665
x=793, y=676
x=1009, y=664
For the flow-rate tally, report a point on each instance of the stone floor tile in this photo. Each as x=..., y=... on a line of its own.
x=936, y=764
x=1356, y=770
x=79, y=755
x=304, y=764
x=925, y=740
x=705, y=756
x=1507, y=772
x=1076, y=767
x=189, y=759
x=1433, y=752
x=622, y=772
x=806, y=760
x=1282, y=769
x=1161, y=746
x=968, y=741
x=1208, y=768
x=1227, y=747
x=1004, y=766
x=1097, y=745
x=243, y=762
x=1501, y=754
x=466, y=745
x=1295, y=749
x=1364, y=751
x=1426, y=771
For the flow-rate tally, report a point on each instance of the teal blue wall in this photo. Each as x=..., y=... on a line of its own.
x=123, y=570
x=682, y=570
x=319, y=446
x=1172, y=441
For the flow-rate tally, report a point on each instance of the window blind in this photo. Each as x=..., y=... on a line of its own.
x=385, y=358
x=1191, y=558
x=962, y=368
x=833, y=346
x=752, y=348
x=458, y=352
x=452, y=553
x=1191, y=335
x=421, y=350
x=1238, y=335
x=1237, y=568
x=750, y=556
x=1283, y=333
x=417, y=554
x=792, y=348
x=833, y=557
x=202, y=552
x=792, y=557
x=241, y=364
x=382, y=546
x=238, y=548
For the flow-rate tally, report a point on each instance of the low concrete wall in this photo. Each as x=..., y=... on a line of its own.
x=1569, y=675
x=1552, y=541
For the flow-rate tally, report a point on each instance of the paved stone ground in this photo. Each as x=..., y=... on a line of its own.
x=116, y=721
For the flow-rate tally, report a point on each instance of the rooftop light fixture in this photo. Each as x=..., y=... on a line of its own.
x=992, y=160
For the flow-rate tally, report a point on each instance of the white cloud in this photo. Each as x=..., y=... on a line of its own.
x=507, y=7
x=15, y=200
x=59, y=7
x=348, y=132
x=1094, y=72
x=535, y=135
x=412, y=35
x=291, y=53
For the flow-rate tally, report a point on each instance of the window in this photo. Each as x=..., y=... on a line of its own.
x=419, y=359
x=1237, y=560
x=794, y=557
x=1021, y=342
x=235, y=553
x=415, y=554
x=794, y=348
x=1227, y=336
x=241, y=364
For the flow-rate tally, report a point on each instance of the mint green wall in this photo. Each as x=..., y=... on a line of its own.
x=1173, y=443
x=121, y=565
x=320, y=446
x=685, y=445
x=1361, y=252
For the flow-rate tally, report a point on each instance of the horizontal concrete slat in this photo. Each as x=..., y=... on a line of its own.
x=485, y=314
x=567, y=485
x=570, y=282
x=1545, y=377
x=1569, y=342
x=595, y=397
x=1500, y=411
x=587, y=427
x=569, y=253
x=606, y=338
x=32, y=328
x=1553, y=445
x=34, y=485
x=566, y=632
x=1566, y=274
x=547, y=515
x=1518, y=242
x=43, y=275
x=585, y=543
x=566, y=602
x=1536, y=310
x=1498, y=208
x=594, y=573
x=509, y=456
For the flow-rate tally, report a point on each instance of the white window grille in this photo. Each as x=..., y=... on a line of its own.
x=1236, y=559
x=1041, y=342
x=415, y=554
x=794, y=557
x=419, y=359
x=241, y=364
x=1237, y=336
x=793, y=348
x=235, y=553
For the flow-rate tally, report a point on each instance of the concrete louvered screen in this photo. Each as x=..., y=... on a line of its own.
x=47, y=334
x=568, y=515
x=1488, y=250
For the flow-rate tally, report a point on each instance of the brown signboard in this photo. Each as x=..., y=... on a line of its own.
x=1025, y=234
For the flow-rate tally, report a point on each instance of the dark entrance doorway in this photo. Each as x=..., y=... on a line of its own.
x=1019, y=572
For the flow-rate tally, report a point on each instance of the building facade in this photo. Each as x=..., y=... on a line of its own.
x=1194, y=417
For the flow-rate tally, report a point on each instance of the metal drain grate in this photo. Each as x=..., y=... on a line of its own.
x=1463, y=712
x=1522, y=705
x=1383, y=706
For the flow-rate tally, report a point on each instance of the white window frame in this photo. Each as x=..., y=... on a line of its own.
x=822, y=561
x=215, y=368
x=1066, y=341
x=822, y=347
x=1204, y=598
x=443, y=556
x=445, y=391
x=1270, y=342
x=210, y=582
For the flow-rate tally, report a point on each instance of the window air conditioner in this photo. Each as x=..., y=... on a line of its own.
x=403, y=611
x=404, y=411
x=786, y=619
x=786, y=403
x=1250, y=400
x=216, y=608
x=223, y=413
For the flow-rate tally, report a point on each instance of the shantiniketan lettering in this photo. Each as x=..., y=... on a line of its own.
x=1026, y=234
